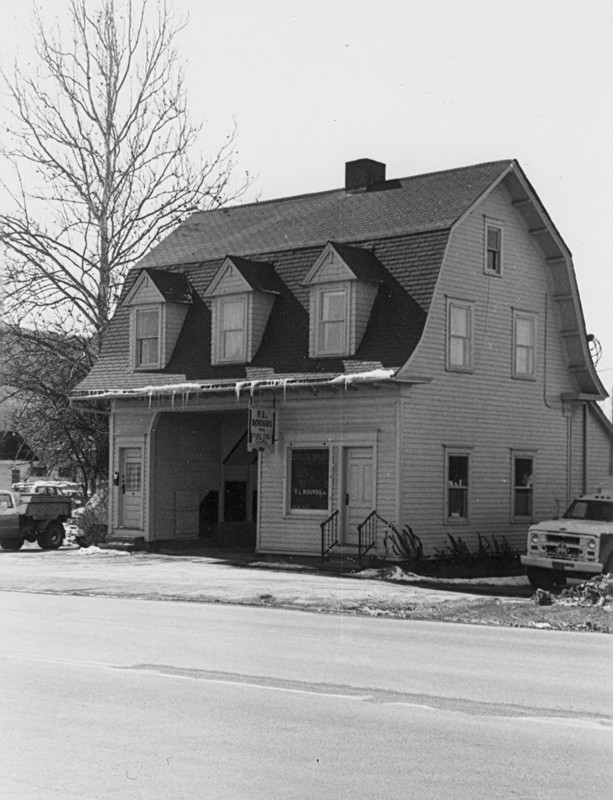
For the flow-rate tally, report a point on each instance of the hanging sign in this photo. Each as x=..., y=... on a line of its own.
x=261, y=427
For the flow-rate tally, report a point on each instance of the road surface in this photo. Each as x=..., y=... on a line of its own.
x=113, y=698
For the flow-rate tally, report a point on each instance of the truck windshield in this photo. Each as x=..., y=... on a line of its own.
x=590, y=509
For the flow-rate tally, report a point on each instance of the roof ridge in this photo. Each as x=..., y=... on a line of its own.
x=342, y=190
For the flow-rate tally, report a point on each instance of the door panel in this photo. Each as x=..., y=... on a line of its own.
x=359, y=494
x=131, y=487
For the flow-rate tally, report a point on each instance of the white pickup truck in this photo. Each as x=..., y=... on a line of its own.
x=33, y=518
x=579, y=545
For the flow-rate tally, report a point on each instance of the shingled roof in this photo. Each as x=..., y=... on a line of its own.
x=405, y=206
x=398, y=229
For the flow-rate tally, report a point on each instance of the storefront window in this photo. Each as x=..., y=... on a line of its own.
x=309, y=479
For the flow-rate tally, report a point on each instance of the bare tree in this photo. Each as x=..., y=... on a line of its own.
x=101, y=149
x=97, y=165
x=36, y=375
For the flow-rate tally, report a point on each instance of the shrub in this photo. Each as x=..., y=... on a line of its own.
x=93, y=521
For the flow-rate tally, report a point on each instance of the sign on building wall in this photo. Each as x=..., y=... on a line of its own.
x=261, y=427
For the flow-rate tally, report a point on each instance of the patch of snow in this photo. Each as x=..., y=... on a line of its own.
x=398, y=574
x=279, y=565
x=94, y=550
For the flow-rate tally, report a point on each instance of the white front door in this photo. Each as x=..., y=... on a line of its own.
x=358, y=471
x=131, y=487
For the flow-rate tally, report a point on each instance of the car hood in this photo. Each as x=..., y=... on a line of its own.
x=585, y=526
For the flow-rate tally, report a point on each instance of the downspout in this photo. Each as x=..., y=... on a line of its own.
x=112, y=488
x=585, y=449
x=569, y=455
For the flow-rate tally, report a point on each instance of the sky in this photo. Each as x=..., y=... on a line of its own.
x=421, y=85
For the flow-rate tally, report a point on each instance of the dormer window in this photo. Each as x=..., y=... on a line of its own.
x=343, y=283
x=158, y=302
x=147, y=350
x=231, y=337
x=242, y=295
x=332, y=322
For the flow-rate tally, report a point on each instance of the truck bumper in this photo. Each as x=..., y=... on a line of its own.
x=565, y=567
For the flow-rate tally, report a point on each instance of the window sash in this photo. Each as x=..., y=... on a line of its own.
x=493, y=249
x=523, y=487
x=232, y=330
x=524, y=338
x=332, y=321
x=459, y=354
x=457, y=487
x=147, y=337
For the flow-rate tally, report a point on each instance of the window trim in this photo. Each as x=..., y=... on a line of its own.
x=493, y=225
x=221, y=301
x=469, y=306
x=462, y=452
x=320, y=293
x=533, y=319
x=147, y=309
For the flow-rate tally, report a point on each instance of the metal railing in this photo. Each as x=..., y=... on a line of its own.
x=367, y=534
x=329, y=534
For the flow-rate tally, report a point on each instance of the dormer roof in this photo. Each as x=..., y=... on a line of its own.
x=351, y=263
x=255, y=276
x=171, y=287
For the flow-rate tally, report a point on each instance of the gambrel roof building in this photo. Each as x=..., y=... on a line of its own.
x=413, y=347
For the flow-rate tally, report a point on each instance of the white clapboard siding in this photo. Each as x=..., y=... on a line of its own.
x=339, y=417
x=486, y=410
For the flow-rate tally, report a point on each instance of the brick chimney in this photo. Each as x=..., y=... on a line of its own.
x=363, y=173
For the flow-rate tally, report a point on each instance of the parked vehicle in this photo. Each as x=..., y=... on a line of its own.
x=33, y=517
x=579, y=545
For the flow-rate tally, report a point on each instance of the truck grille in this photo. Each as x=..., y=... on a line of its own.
x=563, y=547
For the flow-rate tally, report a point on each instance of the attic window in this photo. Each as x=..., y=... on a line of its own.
x=147, y=349
x=493, y=249
x=332, y=322
x=231, y=339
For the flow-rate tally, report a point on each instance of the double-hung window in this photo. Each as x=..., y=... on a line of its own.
x=459, y=335
x=523, y=486
x=493, y=249
x=147, y=344
x=232, y=329
x=524, y=345
x=332, y=321
x=457, y=480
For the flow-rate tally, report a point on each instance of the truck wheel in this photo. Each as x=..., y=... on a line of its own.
x=11, y=544
x=540, y=578
x=52, y=537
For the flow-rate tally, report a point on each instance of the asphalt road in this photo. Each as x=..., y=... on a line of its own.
x=142, y=699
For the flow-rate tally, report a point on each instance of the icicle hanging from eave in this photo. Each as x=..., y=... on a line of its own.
x=283, y=383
